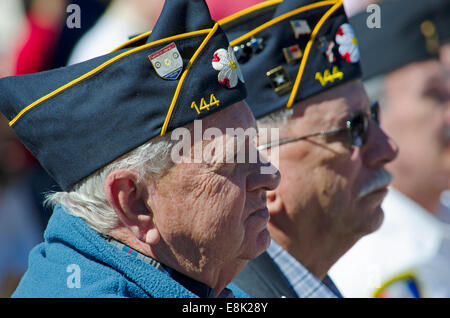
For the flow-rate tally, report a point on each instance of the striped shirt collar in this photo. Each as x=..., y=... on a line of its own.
x=305, y=284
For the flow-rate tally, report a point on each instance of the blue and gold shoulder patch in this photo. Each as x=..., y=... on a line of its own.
x=405, y=285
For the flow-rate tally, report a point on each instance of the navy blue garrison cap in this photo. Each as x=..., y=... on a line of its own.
x=410, y=31
x=291, y=50
x=77, y=119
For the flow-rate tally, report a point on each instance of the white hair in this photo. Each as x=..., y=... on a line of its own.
x=276, y=119
x=87, y=198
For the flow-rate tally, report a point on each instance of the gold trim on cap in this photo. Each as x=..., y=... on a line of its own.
x=101, y=67
x=251, y=9
x=282, y=18
x=183, y=77
x=301, y=70
x=131, y=41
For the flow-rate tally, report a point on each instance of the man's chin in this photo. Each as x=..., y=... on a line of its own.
x=260, y=245
x=264, y=240
x=374, y=221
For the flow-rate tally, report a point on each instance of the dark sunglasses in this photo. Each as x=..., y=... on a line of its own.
x=357, y=127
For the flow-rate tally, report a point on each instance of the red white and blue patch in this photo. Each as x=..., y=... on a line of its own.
x=167, y=62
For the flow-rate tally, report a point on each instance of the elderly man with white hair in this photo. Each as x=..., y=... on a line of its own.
x=140, y=216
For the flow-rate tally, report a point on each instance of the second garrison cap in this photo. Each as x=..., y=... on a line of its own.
x=408, y=31
x=291, y=50
x=77, y=119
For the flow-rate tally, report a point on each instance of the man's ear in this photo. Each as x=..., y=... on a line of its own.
x=128, y=198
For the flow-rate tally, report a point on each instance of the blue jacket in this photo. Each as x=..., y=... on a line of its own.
x=75, y=261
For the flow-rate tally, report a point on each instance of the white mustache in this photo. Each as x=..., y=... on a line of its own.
x=380, y=179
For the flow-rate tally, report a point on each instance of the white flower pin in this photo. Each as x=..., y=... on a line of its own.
x=348, y=45
x=225, y=62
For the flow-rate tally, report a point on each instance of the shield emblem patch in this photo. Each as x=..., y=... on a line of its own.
x=167, y=62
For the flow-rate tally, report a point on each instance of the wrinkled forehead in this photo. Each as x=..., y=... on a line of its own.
x=235, y=123
x=236, y=116
x=231, y=128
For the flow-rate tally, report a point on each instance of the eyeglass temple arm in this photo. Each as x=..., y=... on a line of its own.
x=285, y=141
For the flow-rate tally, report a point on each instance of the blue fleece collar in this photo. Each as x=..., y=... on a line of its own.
x=196, y=287
x=73, y=231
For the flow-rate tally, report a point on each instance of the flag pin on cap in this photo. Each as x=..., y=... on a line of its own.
x=292, y=53
x=300, y=27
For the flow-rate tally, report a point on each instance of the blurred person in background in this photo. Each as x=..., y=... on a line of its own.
x=44, y=41
x=122, y=20
x=34, y=37
x=127, y=18
x=11, y=19
x=46, y=37
x=38, y=35
x=409, y=256
x=444, y=211
x=20, y=228
x=20, y=224
x=71, y=33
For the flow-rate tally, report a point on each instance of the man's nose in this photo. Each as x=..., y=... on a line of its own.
x=264, y=175
x=380, y=149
